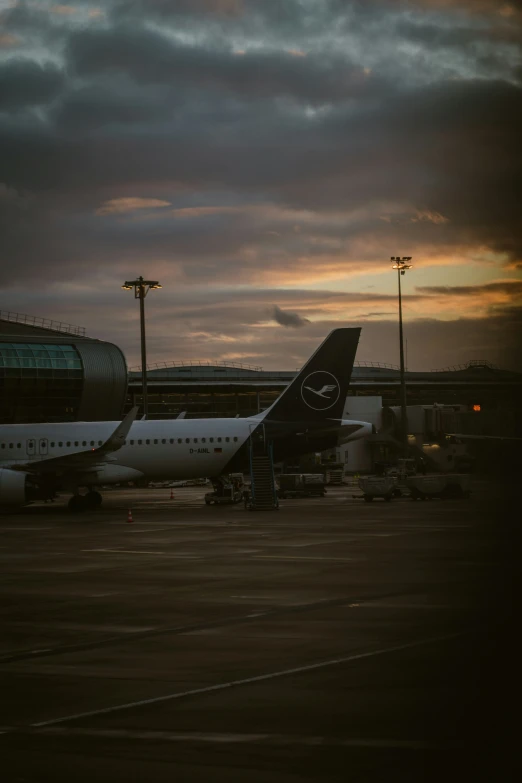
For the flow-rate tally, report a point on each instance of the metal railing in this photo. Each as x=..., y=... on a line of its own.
x=241, y=366
x=42, y=323
x=218, y=364
x=472, y=363
x=380, y=365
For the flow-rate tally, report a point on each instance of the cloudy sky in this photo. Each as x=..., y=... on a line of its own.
x=263, y=159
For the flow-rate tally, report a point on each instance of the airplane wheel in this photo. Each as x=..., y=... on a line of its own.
x=93, y=499
x=77, y=503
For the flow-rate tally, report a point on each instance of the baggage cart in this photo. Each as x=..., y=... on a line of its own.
x=424, y=487
x=301, y=485
x=449, y=485
x=377, y=487
x=229, y=489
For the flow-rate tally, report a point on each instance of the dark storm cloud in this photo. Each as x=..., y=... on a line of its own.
x=98, y=106
x=150, y=57
x=450, y=148
x=511, y=287
x=460, y=37
x=24, y=82
x=288, y=319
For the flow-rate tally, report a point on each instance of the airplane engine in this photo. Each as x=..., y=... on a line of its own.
x=13, y=487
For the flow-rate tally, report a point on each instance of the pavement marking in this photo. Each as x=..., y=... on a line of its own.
x=295, y=557
x=143, y=552
x=146, y=529
x=247, y=681
x=233, y=738
x=273, y=611
x=16, y=529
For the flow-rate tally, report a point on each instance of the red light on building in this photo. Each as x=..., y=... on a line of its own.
x=476, y=407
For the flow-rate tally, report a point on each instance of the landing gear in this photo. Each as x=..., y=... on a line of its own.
x=83, y=502
x=93, y=499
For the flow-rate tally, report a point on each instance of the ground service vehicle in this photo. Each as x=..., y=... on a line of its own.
x=301, y=485
x=377, y=487
x=227, y=489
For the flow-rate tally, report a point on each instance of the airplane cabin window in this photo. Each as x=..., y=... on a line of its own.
x=147, y=442
x=155, y=441
x=235, y=440
x=84, y=442
x=52, y=444
x=219, y=440
x=227, y=440
x=18, y=445
x=187, y=440
x=195, y=440
x=68, y=442
x=60, y=443
x=163, y=440
x=76, y=443
x=132, y=443
x=139, y=442
x=99, y=443
x=180, y=440
x=10, y=445
x=211, y=440
x=203, y=440
x=92, y=443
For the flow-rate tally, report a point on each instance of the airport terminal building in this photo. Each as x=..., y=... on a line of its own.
x=50, y=371
x=229, y=389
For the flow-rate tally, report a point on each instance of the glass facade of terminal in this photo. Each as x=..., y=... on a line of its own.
x=39, y=382
x=205, y=404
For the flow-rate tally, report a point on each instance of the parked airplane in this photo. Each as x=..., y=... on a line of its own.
x=38, y=460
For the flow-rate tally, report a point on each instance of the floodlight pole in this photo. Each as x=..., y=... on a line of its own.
x=401, y=265
x=141, y=289
x=140, y=293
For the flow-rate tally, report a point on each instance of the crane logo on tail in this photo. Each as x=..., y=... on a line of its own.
x=320, y=390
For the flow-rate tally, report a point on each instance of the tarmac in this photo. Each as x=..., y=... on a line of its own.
x=331, y=640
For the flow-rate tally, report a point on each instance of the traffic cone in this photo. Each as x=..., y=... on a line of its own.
x=129, y=516
x=172, y=494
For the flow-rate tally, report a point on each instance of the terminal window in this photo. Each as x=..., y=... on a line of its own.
x=39, y=382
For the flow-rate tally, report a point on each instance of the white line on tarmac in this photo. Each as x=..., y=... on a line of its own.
x=293, y=557
x=146, y=529
x=247, y=681
x=143, y=552
x=24, y=529
x=233, y=738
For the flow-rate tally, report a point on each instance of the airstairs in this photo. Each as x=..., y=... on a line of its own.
x=263, y=493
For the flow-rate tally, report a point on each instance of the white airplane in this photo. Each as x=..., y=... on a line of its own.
x=38, y=460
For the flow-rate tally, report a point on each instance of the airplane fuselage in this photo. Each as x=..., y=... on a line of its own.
x=178, y=448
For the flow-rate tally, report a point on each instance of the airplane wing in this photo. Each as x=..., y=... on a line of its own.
x=87, y=459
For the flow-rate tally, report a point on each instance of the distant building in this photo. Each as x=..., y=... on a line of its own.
x=50, y=371
x=229, y=389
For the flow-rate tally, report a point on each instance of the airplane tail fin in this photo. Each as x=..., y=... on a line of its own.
x=319, y=390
